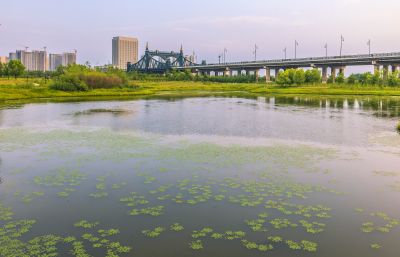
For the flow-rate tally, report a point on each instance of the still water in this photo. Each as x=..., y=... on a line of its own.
x=291, y=176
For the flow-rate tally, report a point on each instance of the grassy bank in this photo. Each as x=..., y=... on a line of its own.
x=20, y=89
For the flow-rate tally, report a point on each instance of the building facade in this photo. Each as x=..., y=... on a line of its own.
x=55, y=60
x=40, y=61
x=3, y=59
x=33, y=61
x=68, y=59
x=124, y=50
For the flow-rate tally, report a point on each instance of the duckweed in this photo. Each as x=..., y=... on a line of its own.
x=176, y=227
x=156, y=232
x=196, y=245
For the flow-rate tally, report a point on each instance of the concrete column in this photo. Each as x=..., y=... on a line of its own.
x=385, y=71
x=341, y=70
x=226, y=72
x=247, y=72
x=216, y=73
x=267, y=75
x=395, y=67
x=239, y=72
x=257, y=74
x=230, y=73
x=324, y=75
x=377, y=68
x=276, y=72
x=333, y=74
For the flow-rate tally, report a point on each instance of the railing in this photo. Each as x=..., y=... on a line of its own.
x=300, y=60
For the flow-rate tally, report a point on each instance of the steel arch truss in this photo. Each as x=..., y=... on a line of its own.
x=160, y=62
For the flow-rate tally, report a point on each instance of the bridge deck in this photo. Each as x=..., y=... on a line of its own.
x=333, y=61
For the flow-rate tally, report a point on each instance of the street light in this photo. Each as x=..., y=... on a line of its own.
x=295, y=49
x=255, y=52
x=326, y=50
x=369, y=46
x=341, y=44
x=225, y=52
x=285, y=51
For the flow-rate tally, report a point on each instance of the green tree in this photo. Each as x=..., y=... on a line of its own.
x=352, y=79
x=299, y=77
x=1, y=69
x=15, y=68
x=283, y=78
x=313, y=76
x=340, y=78
x=393, y=79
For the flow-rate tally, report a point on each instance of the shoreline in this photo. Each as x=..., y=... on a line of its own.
x=11, y=94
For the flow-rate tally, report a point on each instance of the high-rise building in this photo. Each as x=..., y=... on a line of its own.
x=124, y=50
x=33, y=61
x=68, y=58
x=3, y=59
x=39, y=61
x=12, y=56
x=55, y=60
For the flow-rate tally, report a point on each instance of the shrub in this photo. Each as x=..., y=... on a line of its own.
x=352, y=79
x=340, y=78
x=299, y=76
x=69, y=82
x=398, y=127
x=95, y=80
x=313, y=76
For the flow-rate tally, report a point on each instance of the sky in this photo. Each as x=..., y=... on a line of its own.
x=205, y=27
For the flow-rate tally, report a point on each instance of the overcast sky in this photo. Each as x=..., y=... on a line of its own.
x=205, y=26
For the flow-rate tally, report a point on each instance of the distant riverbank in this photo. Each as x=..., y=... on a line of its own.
x=35, y=90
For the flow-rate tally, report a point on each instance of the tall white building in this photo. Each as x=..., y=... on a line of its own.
x=68, y=58
x=55, y=60
x=33, y=61
x=124, y=50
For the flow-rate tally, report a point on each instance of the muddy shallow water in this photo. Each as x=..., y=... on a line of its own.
x=201, y=177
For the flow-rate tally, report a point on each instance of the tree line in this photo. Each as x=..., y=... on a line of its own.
x=13, y=68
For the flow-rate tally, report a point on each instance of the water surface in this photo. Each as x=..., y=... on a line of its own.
x=321, y=174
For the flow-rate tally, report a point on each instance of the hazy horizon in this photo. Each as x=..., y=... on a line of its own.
x=205, y=27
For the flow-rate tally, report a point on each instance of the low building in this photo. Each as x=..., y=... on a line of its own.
x=3, y=59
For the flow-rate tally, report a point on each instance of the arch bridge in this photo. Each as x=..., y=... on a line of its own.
x=161, y=61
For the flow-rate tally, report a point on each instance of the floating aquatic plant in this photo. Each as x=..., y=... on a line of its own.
x=275, y=239
x=153, y=233
x=376, y=246
x=196, y=245
x=5, y=213
x=176, y=227
x=86, y=224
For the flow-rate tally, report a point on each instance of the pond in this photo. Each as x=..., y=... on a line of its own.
x=282, y=176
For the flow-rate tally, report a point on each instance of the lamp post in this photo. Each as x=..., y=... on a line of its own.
x=255, y=52
x=326, y=50
x=225, y=52
x=295, y=49
x=369, y=46
x=285, y=51
x=341, y=44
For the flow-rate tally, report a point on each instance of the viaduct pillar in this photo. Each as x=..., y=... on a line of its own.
x=333, y=74
x=324, y=75
x=257, y=74
x=341, y=70
x=377, y=68
x=239, y=72
x=267, y=74
x=385, y=71
x=395, y=67
x=276, y=72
